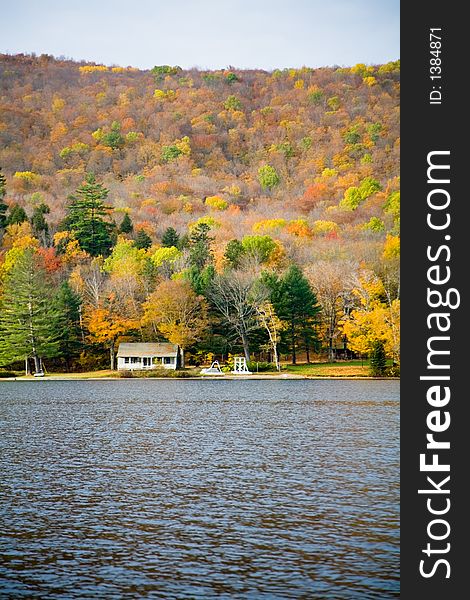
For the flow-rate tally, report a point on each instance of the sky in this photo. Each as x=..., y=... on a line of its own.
x=208, y=34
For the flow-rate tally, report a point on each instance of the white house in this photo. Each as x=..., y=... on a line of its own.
x=137, y=356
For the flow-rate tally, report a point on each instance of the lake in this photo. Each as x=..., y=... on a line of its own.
x=199, y=489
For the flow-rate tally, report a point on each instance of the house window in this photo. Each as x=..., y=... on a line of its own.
x=126, y=360
x=147, y=361
x=135, y=359
x=167, y=360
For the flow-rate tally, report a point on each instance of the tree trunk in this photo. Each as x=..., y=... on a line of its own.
x=246, y=347
x=294, y=356
x=26, y=365
x=307, y=349
x=37, y=364
x=276, y=358
x=111, y=356
x=182, y=358
x=82, y=332
x=330, y=350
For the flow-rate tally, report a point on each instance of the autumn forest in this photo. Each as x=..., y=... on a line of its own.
x=229, y=212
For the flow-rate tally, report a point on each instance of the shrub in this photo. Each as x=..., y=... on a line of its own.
x=4, y=374
x=158, y=372
x=378, y=361
x=261, y=367
x=126, y=374
x=393, y=371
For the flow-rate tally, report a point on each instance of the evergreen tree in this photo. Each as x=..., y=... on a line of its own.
x=3, y=206
x=378, y=361
x=68, y=305
x=200, y=253
x=295, y=303
x=234, y=252
x=170, y=238
x=39, y=223
x=28, y=316
x=142, y=240
x=126, y=225
x=17, y=215
x=85, y=218
x=201, y=280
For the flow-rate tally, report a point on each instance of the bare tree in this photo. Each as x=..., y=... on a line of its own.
x=90, y=282
x=237, y=295
x=333, y=284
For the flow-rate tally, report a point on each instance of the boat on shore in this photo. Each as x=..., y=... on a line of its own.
x=214, y=369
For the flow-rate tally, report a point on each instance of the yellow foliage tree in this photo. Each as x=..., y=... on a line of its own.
x=106, y=326
x=391, y=247
x=269, y=225
x=92, y=69
x=321, y=227
x=379, y=323
x=27, y=179
x=177, y=312
x=19, y=235
x=216, y=202
x=161, y=96
x=184, y=145
x=268, y=319
x=58, y=104
x=370, y=81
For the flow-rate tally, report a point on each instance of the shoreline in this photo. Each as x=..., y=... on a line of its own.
x=284, y=377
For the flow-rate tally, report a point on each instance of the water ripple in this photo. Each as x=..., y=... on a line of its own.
x=199, y=490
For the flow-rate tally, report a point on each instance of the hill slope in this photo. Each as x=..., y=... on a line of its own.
x=276, y=153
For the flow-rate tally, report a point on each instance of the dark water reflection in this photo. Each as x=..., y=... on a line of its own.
x=188, y=489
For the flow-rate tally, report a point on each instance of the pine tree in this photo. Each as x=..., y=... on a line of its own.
x=170, y=238
x=142, y=240
x=3, y=206
x=126, y=225
x=28, y=316
x=85, y=217
x=200, y=254
x=295, y=303
x=68, y=305
x=378, y=360
x=17, y=215
x=39, y=223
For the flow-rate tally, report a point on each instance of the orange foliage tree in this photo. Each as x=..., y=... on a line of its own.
x=106, y=326
x=177, y=312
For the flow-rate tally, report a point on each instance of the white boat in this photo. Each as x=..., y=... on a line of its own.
x=214, y=369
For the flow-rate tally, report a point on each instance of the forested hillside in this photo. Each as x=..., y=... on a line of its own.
x=122, y=188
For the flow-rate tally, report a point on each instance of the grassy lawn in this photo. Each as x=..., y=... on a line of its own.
x=352, y=368
x=95, y=374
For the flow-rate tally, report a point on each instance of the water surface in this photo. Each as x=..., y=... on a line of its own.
x=199, y=489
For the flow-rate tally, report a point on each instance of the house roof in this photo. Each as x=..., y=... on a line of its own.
x=147, y=349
